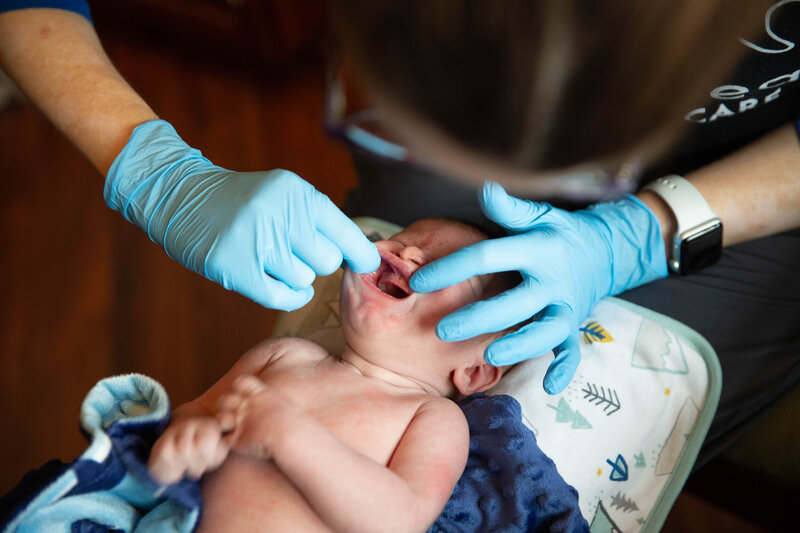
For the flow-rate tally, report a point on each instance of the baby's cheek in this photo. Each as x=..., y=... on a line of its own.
x=477, y=287
x=389, y=246
x=439, y=304
x=466, y=292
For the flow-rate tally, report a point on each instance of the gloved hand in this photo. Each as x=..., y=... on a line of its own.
x=568, y=261
x=262, y=234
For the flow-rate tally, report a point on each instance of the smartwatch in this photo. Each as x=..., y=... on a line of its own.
x=697, y=243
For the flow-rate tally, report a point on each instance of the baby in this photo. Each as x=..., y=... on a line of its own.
x=293, y=438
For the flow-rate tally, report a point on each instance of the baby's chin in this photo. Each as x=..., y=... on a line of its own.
x=361, y=313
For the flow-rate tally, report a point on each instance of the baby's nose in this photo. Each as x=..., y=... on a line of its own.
x=413, y=254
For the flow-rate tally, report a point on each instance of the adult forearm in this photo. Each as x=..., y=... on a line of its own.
x=58, y=61
x=755, y=191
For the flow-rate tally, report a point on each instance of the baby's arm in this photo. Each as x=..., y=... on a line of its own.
x=349, y=491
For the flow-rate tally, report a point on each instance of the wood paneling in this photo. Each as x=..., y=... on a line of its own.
x=264, y=31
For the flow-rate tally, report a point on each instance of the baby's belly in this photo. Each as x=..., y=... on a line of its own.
x=248, y=495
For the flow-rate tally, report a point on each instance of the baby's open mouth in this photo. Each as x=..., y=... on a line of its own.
x=392, y=289
x=392, y=279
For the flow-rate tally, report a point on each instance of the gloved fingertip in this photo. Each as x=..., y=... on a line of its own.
x=553, y=386
x=491, y=194
x=324, y=264
x=363, y=258
x=455, y=327
x=490, y=357
x=308, y=292
x=419, y=281
x=492, y=187
x=303, y=280
x=444, y=331
x=300, y=298
x=368, y=264
x=556, y=379
x=495, y=355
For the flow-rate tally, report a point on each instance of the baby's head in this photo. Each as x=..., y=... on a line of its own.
x=387, y=323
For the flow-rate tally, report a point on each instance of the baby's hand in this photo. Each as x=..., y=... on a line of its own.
x=189, y=447
x=253, y=414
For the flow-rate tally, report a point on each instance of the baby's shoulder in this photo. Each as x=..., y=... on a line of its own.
x=440, y=406
x=289, y=348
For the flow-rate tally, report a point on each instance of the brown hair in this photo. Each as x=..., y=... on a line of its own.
x=545, y=84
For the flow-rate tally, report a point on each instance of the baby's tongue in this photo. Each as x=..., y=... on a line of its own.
x=390, y=283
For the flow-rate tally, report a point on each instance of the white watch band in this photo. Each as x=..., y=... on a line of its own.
x=686, y=202
x=691, y=210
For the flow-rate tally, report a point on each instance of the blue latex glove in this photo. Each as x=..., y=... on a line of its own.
x=568, y=261
x=262, y=234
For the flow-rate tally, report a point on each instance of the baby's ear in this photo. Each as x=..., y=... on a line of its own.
x=477, y=378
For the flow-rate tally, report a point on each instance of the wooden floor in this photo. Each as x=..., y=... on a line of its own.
x=86, y=295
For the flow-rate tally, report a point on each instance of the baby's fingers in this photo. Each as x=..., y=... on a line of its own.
x=206, y=451
x=247, y=385
x=227, y=421
x=164, y=464
x=229, y=402
x=189, y=449
x=235, y=399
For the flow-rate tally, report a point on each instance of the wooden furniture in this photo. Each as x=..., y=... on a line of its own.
x=264, y=31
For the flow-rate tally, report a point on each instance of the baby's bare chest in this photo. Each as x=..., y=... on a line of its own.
x=362, y=412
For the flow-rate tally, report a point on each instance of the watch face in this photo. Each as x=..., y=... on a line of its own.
x=701, y=249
